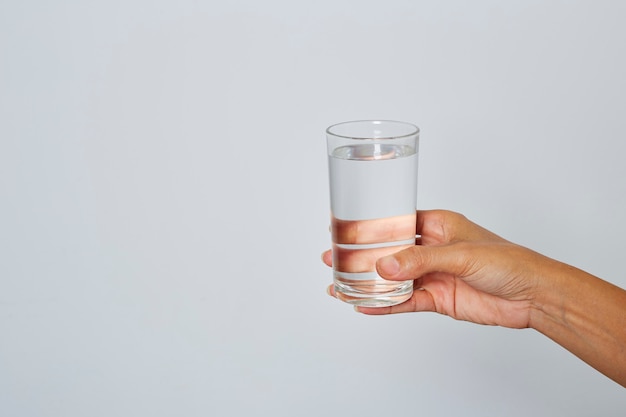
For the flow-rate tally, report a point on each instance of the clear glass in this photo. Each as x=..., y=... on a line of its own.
x=373, y=194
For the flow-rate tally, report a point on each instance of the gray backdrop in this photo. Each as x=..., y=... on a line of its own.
x=164, y=200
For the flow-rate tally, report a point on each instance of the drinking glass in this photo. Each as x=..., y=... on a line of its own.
x=373, y=194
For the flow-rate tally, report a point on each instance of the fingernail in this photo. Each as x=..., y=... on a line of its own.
x=389, y=265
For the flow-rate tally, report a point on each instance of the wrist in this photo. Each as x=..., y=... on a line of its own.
x=550, y=295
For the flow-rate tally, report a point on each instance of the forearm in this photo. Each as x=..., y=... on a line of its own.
x=585, y=315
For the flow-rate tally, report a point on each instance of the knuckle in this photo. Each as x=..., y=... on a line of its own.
x=414, y=260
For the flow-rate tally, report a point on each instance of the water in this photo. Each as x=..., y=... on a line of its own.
x=373, y=196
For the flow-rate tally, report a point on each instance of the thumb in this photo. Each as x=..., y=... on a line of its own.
x=418, y=260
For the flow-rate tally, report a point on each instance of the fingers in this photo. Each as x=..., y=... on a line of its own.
x=331, y=291
x=390, y=229
x=445, y=243
x=361, y=260
x=432, y=227
x=327, y=258
x=356, y=242
x=441, y=226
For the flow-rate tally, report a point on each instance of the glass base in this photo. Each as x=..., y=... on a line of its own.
x=373, y=293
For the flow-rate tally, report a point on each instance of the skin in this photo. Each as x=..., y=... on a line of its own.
x=468, y=273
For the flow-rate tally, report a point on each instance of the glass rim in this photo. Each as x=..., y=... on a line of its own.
x=415, y=129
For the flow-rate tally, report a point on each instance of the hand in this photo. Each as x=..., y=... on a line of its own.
x=463, y=271
x=468, y=273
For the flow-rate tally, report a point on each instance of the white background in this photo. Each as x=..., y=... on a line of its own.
x=164, y=200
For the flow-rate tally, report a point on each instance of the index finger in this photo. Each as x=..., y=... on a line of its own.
x=388, y=229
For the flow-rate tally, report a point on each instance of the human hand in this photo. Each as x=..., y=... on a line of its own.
x=464, y=271
x=468, y=273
